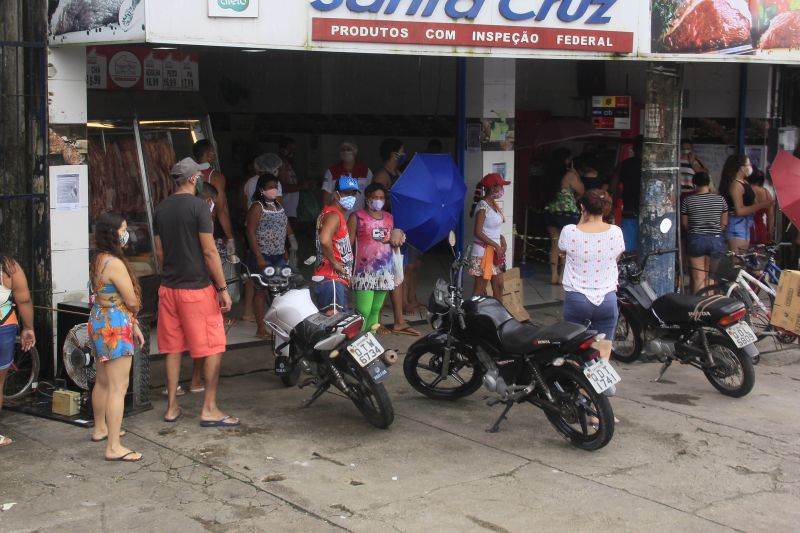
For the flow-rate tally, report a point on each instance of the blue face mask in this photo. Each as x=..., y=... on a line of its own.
x=401, y=158
x=348, y=202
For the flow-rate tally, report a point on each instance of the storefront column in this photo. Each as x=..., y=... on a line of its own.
x=660, y=167
x=69, y=183
x=490, y=104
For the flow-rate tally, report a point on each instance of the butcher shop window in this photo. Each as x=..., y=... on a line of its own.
x=115, y=184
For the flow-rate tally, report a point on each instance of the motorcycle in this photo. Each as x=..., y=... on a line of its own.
x=332, y=350
x=708, y=333
x=555, y=368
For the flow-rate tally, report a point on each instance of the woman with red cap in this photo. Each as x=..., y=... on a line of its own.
x=488, y=259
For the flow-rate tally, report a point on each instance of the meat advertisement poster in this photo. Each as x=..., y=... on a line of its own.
x=96, y=21
x=119, y=68
x=760, y=28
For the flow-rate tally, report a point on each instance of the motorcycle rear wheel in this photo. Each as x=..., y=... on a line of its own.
x=579, y=404
x=423, y=371
x=734, y=362
x=628, y=341
x=369, y=397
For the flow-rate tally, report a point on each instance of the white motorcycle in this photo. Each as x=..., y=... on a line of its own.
x=332, y=350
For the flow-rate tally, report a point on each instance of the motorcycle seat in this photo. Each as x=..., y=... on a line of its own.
x=520, y=338
x=315, y=328
x=685, y=308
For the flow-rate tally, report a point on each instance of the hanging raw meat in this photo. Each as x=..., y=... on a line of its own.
x=783, y=31
x=704, y=25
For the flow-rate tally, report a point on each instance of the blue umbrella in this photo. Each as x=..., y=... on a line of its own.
x=428, y=199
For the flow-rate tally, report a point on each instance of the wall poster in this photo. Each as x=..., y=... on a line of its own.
x=96, y=21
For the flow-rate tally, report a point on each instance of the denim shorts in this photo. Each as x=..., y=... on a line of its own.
x=277, y=261
x=699, y=245
x=8, y=339
x=739, y=227
x=601, y=318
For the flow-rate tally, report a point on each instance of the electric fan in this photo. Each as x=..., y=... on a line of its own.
x=78, y=357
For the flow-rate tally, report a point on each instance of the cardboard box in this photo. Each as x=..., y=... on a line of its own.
x=788, y=295
x=513, y=296
x=786, y=318
x=66, y=402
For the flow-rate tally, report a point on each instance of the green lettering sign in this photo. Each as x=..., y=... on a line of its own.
x=236, y=5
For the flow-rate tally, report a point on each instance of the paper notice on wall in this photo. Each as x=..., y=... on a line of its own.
x=68, y=196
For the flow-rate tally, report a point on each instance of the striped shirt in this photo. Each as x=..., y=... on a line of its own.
x=704, y=212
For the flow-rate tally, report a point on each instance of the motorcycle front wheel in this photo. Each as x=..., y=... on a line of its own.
x=369, y=397
x=628, y=342
x=423, y=371
x=733, y=374
x=585, y=417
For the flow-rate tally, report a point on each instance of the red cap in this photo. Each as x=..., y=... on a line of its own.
x=493, y=179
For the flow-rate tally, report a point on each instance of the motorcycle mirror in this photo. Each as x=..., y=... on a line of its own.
x=666, y=225
x=451, y=238
x=310, y=261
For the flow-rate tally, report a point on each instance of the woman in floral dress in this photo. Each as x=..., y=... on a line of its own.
x=114, y=332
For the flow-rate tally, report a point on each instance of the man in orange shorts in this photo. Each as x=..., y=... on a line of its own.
x=190, y=306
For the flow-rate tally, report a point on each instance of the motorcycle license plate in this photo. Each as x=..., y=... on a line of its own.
x=741, y=334
x=378, y=371
x=366, y=349
x=601, y=375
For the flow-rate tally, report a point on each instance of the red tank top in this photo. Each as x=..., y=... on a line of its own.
x=342, y=251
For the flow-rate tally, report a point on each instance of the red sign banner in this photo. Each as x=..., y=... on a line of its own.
x=488, y=36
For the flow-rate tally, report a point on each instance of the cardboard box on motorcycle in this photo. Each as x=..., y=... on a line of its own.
x=786, y=310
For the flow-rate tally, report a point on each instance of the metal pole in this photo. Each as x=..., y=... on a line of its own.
x=461, y=136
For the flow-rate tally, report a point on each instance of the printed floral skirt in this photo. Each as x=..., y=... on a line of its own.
x=111, y=332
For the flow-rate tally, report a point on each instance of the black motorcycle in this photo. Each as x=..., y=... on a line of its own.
x=708, y=333
x=555, y=368
x=331, y=350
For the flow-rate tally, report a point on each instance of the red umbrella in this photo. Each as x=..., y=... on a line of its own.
x=785, y=171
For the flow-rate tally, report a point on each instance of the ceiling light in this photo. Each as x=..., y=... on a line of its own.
x=165, y=48
x=253, y=50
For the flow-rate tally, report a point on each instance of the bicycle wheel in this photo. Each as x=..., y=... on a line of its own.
x=22, y=376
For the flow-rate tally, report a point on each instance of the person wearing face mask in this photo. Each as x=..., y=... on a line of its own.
x=193, y=293
x=489, y=241
x=348, y=165
x=690, y=164
x=334, y=250
x=742, y=202
x=114, y=332
x=373, y=234
x=267, y=231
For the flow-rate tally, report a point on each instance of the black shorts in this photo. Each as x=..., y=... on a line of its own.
x=559, y=220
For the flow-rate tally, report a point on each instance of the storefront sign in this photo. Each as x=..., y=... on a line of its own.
x=92, y=21
x=471, y=35
x=141, y=69
x=683, y=30
x=611, y=112
x=233, y=8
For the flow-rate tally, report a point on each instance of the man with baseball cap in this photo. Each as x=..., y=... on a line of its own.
x=334, y=252
x=193, y=293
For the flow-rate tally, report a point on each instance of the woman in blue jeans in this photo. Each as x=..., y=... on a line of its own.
x=741, y=198
x=590, y=274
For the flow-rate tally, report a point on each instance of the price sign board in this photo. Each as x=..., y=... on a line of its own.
x=119, y=68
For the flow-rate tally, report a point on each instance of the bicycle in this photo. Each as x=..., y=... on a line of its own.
x=23, y=374
x=757, y=293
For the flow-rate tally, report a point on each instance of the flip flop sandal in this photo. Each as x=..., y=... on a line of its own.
x=173, y=420
x=121, y=434
x=198, y=390
x=5, y=441
x=383, y=330
x=180, y=392
x=220, y=423
x=411, y=332
x=124, y=458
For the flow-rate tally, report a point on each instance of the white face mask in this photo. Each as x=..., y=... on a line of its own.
x=347, y=157
x=124, y=238
x=376, y=205
x=211, y=205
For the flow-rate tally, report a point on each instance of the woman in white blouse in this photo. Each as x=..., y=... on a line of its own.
x=592, y=248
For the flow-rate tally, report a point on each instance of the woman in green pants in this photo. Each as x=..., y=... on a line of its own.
x=373, y=235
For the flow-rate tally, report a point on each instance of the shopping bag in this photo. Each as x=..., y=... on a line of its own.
x=397, y=259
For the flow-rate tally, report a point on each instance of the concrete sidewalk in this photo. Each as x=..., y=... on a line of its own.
x=684, y=458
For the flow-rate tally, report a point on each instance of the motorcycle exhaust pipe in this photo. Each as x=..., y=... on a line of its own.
x=389, y=357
